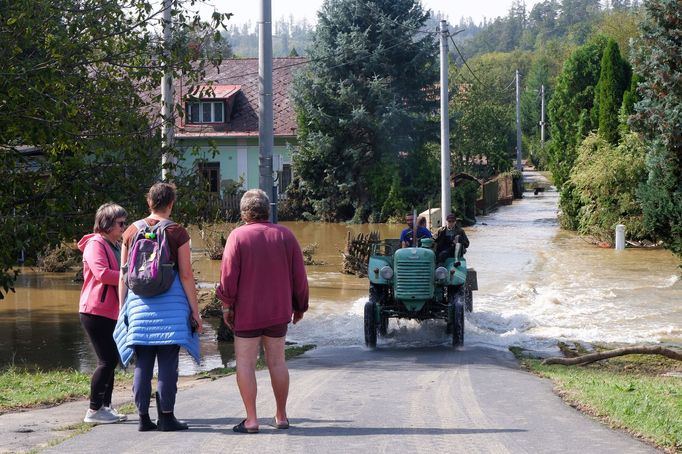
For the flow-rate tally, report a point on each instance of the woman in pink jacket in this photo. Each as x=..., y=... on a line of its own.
x=99, y=306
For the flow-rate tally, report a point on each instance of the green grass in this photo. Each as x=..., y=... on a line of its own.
x=26, y=389
x=626, y=392
x=21, y=388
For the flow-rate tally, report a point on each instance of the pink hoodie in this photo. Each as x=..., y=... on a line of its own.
x=99, y=295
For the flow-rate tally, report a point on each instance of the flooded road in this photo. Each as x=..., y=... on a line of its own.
x=537, y=284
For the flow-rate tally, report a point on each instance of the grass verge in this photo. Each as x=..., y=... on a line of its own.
x=21, y=389
x=629, y=392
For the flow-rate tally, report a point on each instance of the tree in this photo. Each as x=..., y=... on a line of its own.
x=605, y=179
x=363, y=100
x=514, y=26
x=659, y=119
x=621, y=25
x=569, y=120
x=77, y=118
x=483, y=110
x=572, y=100
x=614, y=79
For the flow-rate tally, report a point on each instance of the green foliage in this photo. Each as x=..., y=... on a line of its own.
x=77, y=125
x=393, y=205
x=570, y=121
x=570, y=106
x=464, y=198
x=289, y=35
x=363, y=100
x=621, y=25
x=484, y=114
x=420, y=176
x=568, y=22
x=659, y=119
x=604, y=180
x=614, y=79
x=297, y=204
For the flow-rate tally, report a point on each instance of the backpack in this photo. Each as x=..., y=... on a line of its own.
x=149, y=270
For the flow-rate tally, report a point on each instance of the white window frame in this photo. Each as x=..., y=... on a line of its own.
x=214, y=106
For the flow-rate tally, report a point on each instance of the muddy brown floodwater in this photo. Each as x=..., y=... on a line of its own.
x=537, y=284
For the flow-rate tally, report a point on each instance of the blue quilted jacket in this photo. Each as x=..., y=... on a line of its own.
x=157, y=320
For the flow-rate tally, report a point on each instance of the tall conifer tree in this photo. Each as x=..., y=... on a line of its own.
x=659, y=117
x=614, y=79
x=363, y=102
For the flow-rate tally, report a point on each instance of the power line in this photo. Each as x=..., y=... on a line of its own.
x=464, y=60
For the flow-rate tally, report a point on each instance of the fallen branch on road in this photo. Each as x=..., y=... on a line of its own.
x=637, y=350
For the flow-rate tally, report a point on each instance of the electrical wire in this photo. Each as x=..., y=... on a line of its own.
x=464, y=60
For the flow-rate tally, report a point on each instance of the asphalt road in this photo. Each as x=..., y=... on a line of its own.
x=352, y=400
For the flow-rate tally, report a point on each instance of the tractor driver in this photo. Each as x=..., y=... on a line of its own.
x=445, y=238
x=422, y=232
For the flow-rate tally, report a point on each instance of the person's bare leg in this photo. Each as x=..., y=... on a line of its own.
x=279, y=374
x=246, y=353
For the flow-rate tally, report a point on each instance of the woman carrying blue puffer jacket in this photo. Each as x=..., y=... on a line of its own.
x=155, y=327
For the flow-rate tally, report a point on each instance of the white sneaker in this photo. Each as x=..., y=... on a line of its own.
x=113, y=411
x=100, y=416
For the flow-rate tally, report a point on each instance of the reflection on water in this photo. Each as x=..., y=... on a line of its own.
x=40, y=327
x=537, y=284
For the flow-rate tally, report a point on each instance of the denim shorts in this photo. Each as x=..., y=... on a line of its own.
x=279, y=330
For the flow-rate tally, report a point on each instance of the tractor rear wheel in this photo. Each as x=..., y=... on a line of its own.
x=456, y=299
x=370, y=325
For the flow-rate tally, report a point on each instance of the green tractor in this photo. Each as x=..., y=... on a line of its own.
x=408, y=283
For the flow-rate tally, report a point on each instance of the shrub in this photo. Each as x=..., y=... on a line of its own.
x=59, y=259
x=604, y=182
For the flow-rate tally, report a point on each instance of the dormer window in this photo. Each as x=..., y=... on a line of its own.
x=205, y=112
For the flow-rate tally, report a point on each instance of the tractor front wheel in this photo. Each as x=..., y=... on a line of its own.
x=383, y=326
x=468, y=298
x=370, y=325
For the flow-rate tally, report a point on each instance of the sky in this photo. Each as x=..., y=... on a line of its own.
x=249, y=10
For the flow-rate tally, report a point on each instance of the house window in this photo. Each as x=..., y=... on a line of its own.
x=211, y=172
x=205, y=112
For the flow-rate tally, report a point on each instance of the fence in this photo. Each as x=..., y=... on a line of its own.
x=494, y=192
x=358, y=250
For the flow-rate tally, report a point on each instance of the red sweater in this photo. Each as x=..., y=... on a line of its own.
x=262, y=276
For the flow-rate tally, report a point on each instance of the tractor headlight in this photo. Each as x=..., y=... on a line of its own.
x=441, y=273
x=386, y=272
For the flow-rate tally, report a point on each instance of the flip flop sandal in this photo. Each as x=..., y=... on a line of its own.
x=281, y=425
x=242, y=429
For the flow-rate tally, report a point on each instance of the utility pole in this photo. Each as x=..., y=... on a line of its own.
x=542, y=117
x=445, y=204
x=519, y=165
x=167, y=95
x=265, y=132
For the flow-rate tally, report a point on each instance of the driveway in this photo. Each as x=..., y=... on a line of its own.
x=353, y=400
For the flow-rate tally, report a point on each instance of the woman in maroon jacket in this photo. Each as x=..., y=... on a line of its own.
x=263, y=286
x=99, y=306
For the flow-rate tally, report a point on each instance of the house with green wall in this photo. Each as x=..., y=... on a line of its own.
x=218, y=133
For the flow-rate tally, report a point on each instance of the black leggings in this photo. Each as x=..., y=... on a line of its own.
x=101, y=333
